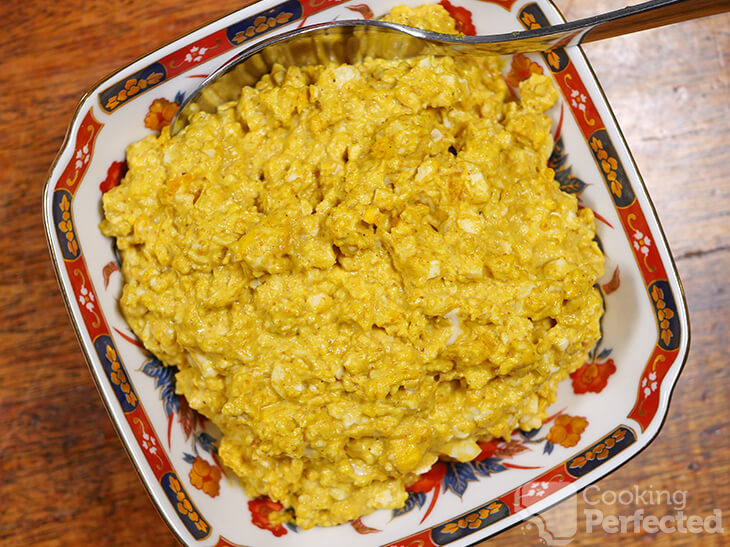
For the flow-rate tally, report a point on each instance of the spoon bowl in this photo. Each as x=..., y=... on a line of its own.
x=352, y=41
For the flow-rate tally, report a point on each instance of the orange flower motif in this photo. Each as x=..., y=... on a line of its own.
x=184, y=507
x=152, y=79
x=131, y=88
x=262, y=24
x=521, y=69
x=592, y=377
x=616, y=188
x=67, y=227
x=609, y=166
x=567, y=430
x=473, y=520
x=118, y=377
x=205, y=477
x=599, y=452
x=553, y=59
x=663, y=314
x=657, y=293
x=529, y=21
x=160, y=114
x=451, y=527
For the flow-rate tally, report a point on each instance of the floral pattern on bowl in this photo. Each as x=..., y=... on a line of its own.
x=607, y=411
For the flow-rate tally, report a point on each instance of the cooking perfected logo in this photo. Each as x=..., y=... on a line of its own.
x=633, y=510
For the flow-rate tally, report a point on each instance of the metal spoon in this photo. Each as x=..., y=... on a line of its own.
x=351, y=41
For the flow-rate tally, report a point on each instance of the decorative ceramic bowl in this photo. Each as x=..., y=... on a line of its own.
x=605, y=414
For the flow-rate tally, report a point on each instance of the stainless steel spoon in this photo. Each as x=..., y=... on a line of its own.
x=350, y=41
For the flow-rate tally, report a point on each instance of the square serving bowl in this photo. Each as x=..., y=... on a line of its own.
x=606, y=413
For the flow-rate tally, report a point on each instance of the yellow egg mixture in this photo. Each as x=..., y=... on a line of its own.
x=359, y=269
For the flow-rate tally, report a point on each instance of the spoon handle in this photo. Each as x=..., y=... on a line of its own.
x=636, y=18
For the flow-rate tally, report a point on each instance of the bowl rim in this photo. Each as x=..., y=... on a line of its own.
x=648, y=435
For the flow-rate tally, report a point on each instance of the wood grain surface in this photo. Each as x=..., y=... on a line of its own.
x=65, y=478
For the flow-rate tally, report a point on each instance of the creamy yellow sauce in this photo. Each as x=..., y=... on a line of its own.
x=360, y=269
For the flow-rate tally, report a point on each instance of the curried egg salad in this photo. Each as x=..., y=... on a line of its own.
x=358, y=270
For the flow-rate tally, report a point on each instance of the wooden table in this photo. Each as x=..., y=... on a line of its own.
x=64, y=476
